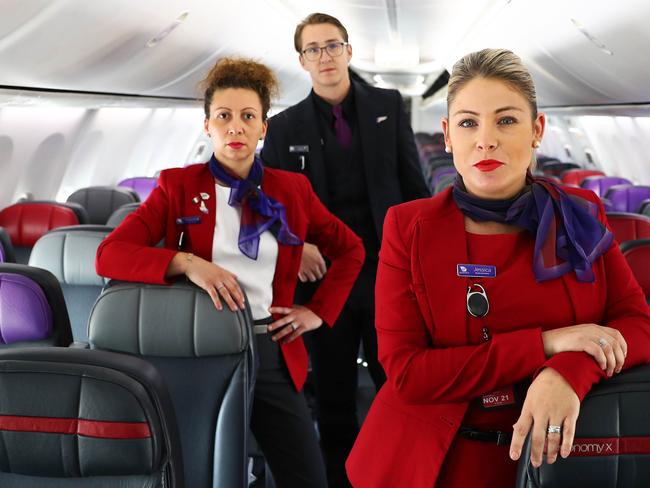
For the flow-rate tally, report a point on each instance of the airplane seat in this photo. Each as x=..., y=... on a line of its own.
x=69, y=254
x=627, y=198
x=439, y=173
x=628, y=226
x=637, y=253
x=576, y=176
x=600, y=184
x=555, y=168
x=86, y=419
x=611, y=444
x=205, y=357
x=101, y=201
x=644, y=207
x=120, y=214
x=32, y=309
x=142, y=185
x=7, y=254
x=27, y=221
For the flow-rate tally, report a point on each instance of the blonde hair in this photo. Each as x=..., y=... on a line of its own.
x=499, y=64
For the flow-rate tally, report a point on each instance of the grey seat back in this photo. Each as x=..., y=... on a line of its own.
x=101, y=201
x=69, y=254
x=120, y=214
x=87, y=419
x=612, y=440
x=204, y=356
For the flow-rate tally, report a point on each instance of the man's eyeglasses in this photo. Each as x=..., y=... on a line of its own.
x=334, y=49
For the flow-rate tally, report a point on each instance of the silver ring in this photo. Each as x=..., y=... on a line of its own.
x=554, y=429
x=293, y=326
x=602, y=342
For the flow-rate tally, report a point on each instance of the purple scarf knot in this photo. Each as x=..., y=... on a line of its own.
x=259, y=212
x=568, y=234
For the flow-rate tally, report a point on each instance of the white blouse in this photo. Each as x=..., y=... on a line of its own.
x=254, y=276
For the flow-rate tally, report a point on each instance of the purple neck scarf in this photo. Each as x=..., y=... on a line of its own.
x=568, y=234
x=259, y=212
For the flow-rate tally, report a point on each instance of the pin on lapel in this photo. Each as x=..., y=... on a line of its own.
x=205, y=196
x=195, y=200
x=203, y=208
x=381, y=118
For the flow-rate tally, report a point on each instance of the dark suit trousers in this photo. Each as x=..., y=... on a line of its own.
x=334, y=353
x=282, y=425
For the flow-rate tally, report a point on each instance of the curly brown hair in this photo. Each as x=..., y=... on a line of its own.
x=240, y=73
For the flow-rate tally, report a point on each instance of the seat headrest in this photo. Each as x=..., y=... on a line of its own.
x=626, y=198
x=173, y=321
x=76, y=413
x=637, y=254
x=41, y=296
x=25, y=314
x=611, y=444
x=26, y=222
x=629, y=226
x=69, y=253
x=600, y=184
x=120, y=214
x=101, y=201
x=142, y=185
x=576, y=176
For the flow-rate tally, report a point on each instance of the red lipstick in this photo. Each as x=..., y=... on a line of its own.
x=235, y=145
x=488, y=165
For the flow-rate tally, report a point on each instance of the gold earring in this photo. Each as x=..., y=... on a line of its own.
x=536, y=144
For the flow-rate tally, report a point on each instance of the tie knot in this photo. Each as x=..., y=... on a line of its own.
x=337, y=110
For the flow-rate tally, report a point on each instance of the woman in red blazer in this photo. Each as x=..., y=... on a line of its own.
x=230, y=226
x=501, y=301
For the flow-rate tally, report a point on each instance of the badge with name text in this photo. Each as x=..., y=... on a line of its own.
x=499, y=398
x=299, y=149
x=188, y=220
x=476, y=270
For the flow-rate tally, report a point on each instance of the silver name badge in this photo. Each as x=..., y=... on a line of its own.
x=299, y=149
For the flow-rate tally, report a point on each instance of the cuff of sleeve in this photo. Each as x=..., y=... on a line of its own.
x=579, y=369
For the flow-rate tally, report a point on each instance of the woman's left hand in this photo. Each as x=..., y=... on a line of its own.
x=550, y=400
x=296, y=321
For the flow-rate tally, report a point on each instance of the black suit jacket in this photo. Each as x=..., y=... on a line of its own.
x=390, y=159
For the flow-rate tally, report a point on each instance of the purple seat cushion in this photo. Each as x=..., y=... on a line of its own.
x=142, y=185
x=2, y=253
x=600, y=184
x=439, y=173
x=25, y=314
x=626, y=198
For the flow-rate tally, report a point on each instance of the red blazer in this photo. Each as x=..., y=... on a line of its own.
x=128, y=252
x=433, y=371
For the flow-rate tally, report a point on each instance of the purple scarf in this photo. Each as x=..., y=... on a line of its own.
x=259, y=212
x=568, y=234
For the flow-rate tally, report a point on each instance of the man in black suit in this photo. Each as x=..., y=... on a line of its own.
x=355, y=144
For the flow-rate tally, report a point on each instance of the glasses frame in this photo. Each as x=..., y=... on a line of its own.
x=342, y=44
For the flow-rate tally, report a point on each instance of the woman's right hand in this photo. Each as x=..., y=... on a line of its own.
x=605, y=344
x=216, y=281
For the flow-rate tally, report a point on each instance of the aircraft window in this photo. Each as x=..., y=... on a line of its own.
x=567, y=150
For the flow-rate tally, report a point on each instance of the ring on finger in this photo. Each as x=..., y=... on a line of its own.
x=602, y=342
x=554, y=429
x=294, y=326
x=221, y=286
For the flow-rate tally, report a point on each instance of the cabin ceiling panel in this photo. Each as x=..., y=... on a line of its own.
x=101, y=46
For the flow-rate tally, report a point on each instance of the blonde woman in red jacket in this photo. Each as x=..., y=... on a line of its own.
x=500, y=302
x=231, y=225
